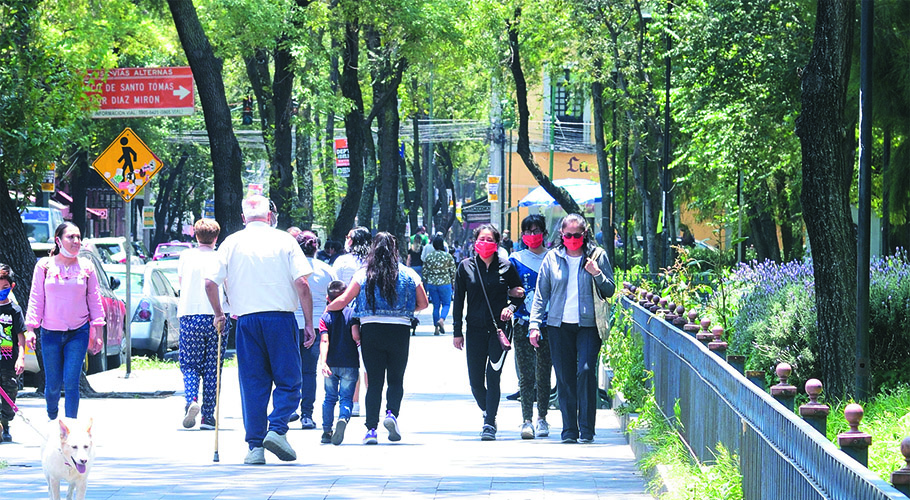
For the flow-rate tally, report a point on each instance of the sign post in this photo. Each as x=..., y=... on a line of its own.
x=342, y=158
x=127, y=165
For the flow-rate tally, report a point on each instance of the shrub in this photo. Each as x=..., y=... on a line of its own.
x=623, y=353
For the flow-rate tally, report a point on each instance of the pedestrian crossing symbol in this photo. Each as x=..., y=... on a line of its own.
x=127, y=164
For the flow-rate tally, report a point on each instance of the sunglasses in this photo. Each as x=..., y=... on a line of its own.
x=573, y=235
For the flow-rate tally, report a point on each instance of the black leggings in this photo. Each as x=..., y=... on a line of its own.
x=485, y=362
x=384, y=348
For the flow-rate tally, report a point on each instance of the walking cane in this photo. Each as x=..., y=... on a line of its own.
x=218, y=391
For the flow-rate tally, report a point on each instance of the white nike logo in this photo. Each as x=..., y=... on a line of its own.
x=498, y=365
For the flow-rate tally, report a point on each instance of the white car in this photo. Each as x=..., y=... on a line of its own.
x=154, y=326
x=111, y=249
x=169, y=268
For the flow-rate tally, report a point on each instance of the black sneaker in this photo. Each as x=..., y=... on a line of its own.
x=338, y=437
x=326, y=437
x=4, y=434
x=514, y=397
x=294, y=417
x=207, y=424
x=488, y=433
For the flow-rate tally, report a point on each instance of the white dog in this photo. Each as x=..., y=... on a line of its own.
x=68, y=456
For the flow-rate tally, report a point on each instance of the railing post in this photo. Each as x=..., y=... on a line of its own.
x=782, y=391
x=718, y=345
x=737, y=362
x=671, y=315
x=757, y=377
x=654, y=306
x=680, y=320
x=662, y=306
x=813, y=412
x=691, y=327
x=901, y=477
x=854, y=442
x=704, y=335
x=643, y=297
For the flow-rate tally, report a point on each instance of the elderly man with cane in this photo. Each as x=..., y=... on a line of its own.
x=265, y=276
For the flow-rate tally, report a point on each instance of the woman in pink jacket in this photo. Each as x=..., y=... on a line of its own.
x=64, y=303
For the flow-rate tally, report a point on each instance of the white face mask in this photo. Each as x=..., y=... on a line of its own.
x=64, y=252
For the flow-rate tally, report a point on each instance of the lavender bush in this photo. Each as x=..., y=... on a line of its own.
x=775, y=318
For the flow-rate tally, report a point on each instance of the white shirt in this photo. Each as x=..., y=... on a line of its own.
x=361, y=278
x=192, y=268
x=570, y=311
x=345, y=266
x=319, y=287
x=258, y=266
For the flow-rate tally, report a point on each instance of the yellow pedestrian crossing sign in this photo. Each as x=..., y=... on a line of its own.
x=127, y=164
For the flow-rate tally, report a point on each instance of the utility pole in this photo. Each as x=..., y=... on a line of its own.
x=429, y=164
x=497, y=143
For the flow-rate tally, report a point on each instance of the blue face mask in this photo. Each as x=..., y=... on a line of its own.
x=4, y=294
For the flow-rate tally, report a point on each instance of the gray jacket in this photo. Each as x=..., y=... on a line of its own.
x=551, y=288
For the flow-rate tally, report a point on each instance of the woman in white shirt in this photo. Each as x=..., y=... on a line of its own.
x=356, y=246
x=309, y=358
x=198, y=345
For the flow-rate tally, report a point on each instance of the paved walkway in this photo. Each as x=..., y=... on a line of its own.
x=143, y=451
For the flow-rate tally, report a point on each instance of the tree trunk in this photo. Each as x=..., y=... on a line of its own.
x=305, y=170
x=764, y=231
x=163, y=201
x=603, y=168
x=354, y=125
x=79, y=189
x=259, y=73
x=15, y=249
x=227, y=162
x=416, y=172
x=562, y=197
x=886, y=202
x=825, y=191
x=281, y=183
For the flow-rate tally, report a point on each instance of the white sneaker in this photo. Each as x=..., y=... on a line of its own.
x=355, y=411
x=278, y=444
x=543, y=428
x=256, y=456
x=527, y=430
x=189, y=418
x=391, y=423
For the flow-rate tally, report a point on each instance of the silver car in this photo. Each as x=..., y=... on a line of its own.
x=154, y=327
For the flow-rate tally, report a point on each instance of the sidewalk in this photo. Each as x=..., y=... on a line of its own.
x=142, y=451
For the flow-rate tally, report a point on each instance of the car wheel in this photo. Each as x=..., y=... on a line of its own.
x=162, y=346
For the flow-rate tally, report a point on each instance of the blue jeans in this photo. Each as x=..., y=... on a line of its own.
x=574, y=350
x=441, y=297
x=63, y=353
x=308, y=360
x=339, y=386
x=268, y=354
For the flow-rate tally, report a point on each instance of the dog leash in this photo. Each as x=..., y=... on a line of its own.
x=19, y=412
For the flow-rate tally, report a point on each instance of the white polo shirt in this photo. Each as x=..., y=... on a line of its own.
x=258, y=266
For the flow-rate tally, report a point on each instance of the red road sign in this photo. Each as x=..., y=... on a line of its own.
x=138, y=92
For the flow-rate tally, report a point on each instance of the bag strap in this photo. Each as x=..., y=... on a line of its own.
x=487, y=298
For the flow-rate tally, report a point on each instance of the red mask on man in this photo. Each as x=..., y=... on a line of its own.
x=573, y=244
x=485, y=249
x=532, y=240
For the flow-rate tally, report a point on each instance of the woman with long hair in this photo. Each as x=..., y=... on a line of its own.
x=388, y=294
x=356, y=247
x=566, y=283
x=65, y=302
x=491, y=287
x=534, y=365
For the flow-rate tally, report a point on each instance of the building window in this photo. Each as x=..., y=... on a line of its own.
x=568, y=108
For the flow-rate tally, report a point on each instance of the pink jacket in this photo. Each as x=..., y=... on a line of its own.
x=64, y=299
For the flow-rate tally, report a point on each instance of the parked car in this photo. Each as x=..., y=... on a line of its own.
x=40, y=223
x=170, y=250
x=169, y=268
x=154, y=327
x=112, y=249
x=113, y=350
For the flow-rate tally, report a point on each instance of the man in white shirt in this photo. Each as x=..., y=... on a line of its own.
x=266, y=279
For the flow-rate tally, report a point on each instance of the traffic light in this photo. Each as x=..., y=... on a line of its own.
x=247, y=113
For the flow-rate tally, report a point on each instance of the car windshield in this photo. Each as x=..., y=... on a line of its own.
x=135, y=287
x=171, y=249
x=37, y=231
x=111, y=248
x=171, y=274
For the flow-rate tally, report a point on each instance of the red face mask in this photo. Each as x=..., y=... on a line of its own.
x=532, y=240
x=485, y=248
x=573, y=244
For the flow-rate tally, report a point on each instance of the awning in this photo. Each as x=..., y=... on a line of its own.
x=582, y=190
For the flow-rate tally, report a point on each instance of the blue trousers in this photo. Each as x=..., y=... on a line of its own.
x=63, y=353
x=441, y=297
x=199, y=358
x=268, y=352
x=574, y=350
x=339, y=388
x=308, y=360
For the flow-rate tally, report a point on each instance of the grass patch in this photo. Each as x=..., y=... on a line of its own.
x=144, y=363
x=3, y=464
x=887, y=420
x=684, y=475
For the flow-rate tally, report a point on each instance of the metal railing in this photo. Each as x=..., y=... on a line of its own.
x=781, y=456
